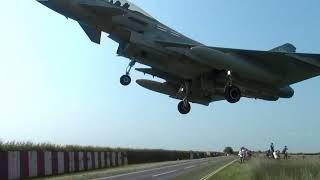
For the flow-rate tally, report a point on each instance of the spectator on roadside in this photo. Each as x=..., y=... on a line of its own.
x=275, y=155
x=241, y=155
x=246, y=154
x=285, y=152
x=272, y=148
x=268, y=154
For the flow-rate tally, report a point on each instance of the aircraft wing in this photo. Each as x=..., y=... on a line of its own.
x=293, y=67
x=281, y=61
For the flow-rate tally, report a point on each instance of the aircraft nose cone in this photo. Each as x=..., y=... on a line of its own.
x=58, y=6
x=44, y=2
x=48, y=3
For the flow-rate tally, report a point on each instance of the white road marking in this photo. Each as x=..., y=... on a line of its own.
x=148, y=170
x=189, y=167
x=218, y=170
x=164, y=173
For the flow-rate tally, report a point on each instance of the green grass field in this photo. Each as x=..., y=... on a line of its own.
x=260, y=168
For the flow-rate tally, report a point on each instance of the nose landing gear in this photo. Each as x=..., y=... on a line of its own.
x=184, y=106
x=125, y=80
x=232, y=93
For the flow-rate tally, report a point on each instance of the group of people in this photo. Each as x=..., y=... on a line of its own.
x=275, y=154
x=244, y=154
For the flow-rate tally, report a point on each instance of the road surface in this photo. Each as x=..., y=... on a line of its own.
x=193, y=169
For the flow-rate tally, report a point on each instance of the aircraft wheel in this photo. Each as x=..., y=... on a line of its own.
x=184, y=107
x=232, y=94
x=125, y=80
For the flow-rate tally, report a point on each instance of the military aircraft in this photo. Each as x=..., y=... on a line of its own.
x=192, y=72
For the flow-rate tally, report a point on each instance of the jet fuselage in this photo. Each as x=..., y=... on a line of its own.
x=140, y=38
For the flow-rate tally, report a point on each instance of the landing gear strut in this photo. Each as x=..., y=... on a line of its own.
x=232, y=93
x=125, y=80
x=184, y=106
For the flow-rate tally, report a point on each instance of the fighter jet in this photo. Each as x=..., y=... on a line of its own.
x=191, y=71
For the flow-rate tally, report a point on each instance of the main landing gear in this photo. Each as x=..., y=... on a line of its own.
x=125, y=80
x=232, y=93
x=184, y=106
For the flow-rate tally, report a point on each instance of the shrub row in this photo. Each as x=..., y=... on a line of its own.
x=29, y=146
x=148, y=156
x=135, y=156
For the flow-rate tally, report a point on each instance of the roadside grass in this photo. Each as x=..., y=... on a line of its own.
x=260, y=168
x=235, y=171
x=205, y=168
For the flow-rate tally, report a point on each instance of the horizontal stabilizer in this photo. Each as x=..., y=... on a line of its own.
x=93, y=33
x=286, y=48
x=311, y=59
x=297, y=67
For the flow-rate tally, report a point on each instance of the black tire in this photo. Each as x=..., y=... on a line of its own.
x=125, y=80
x=232, y=94
x=184, y=108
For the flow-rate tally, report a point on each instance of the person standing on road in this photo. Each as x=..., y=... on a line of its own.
x=241, y=155
x=285, y=152
x=275, y=155
x=268, y=154
x=272, y=147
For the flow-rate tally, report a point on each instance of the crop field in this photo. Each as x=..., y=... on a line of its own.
x=261, y=168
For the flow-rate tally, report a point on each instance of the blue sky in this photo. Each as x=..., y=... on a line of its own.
x=56, y=86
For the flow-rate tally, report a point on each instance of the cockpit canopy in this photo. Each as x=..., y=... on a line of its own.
x=129, y=5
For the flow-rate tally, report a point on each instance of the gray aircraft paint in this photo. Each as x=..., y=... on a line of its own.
x=178, y=59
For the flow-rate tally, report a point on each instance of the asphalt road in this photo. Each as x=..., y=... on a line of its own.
x=193, y=169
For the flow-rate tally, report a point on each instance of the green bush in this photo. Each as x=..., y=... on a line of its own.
x=135, y=156
x=147, y=156
x=29, y=146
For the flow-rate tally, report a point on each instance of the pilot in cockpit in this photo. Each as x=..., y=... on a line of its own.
x=126, y=6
